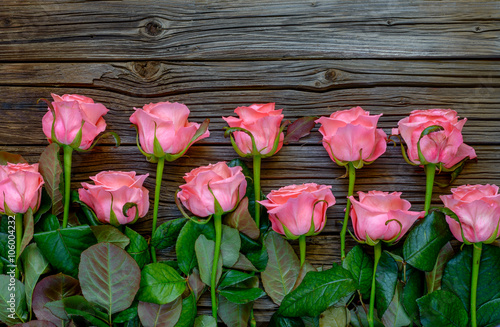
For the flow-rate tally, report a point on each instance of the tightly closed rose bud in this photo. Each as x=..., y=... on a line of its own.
x=381, y=216
x=227, y=184
x=168, y=124
x=352, y=136
x=114, y=190
x=74, y=114
x=20, y=188
x=263, y=122
x=297, y=210
x=444, y=146
x=478, y=210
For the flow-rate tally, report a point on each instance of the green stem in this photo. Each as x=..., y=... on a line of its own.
x=68, y=152
x=378, y=253
x=218, y=237
x=159, y=178
x=302, y=245
x=476, y=260
x=430, y=172
x=19, y=236
x=352, y=179
x=256, y=184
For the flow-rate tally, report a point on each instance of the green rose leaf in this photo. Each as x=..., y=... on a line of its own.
x=242, y=220
x=425, y=240
x=335, y=317
x=138, y=248
x=109, y=277
x=361, y=267
x=80, y=311
x=156, y=315
x=166, y=235
x=184, y=247
x=442, y=308
x=242, y=295
x=395, y=315
x=110, y=234
x=433, y=278
x=205, y=253
x=63, y=247
x=35, y=265
x=232, y=314
x=51, y=170
x=282, y=269
x=413, y=290
x=386, y=279
x=160, y=284
x=47, y=223
x=279, y=321
x=230, y=246
x=233, y=277
x=205, y=321
x=12, y=291
x=126, y=315
x=489, y=314
x=317, y=292
x=188, y=313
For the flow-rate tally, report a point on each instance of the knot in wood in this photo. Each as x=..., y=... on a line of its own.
x=147, y=69
x=330, y=74
x=477, y=29
x=153, y=28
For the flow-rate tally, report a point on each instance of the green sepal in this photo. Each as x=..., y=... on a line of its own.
x=229, y=132
x=53, y=137
x=428, y=130
x=355, y=238
x=403, y=151
x=289, y=235
x=149, y=157
x=8, y=212
x=454, y=216
x=337, y=161
x=115, y=136
x=129, y=205
x=77, y=141
x=371, y=242
x=493, y=236
x=313, y=227
x=112, y=216
x=199, y=132
x=157, y=148
x=217, y=207
x=196, y=220
x=393, y=240
x=276, y=140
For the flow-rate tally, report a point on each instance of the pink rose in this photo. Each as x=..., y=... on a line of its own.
x=263, y=121
x=352, y=136
x=478, y=209
x=445, y=146
x=292, y=209
x=228, y=185
x=71, y=110
x=376, y=216
x=168, y=122
x=20, y=188
x=112, y=190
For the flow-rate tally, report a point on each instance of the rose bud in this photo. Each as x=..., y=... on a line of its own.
x=352, y=136
x=381, y=216
x=297, y=210
x=445, y=146
x=226, y=184
x=78, y=120
x=20, y=188
x=263, y=122
x=476, y=213
x=117, y=197
x=164, y=130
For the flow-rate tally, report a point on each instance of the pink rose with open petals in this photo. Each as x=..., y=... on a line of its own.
x=263, y=121
x=228, y=185
x=168, y=122
x=352, y=136
x=71, y=110
x=478, y=209
x=111, y=191
x=292, y=209
x=444, y=146
x=20, y=188
x=376, y=215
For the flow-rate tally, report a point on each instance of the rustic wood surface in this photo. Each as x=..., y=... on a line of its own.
x=310, y=57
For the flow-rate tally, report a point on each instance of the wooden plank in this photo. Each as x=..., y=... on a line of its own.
x=479, y=104
x=68, y=30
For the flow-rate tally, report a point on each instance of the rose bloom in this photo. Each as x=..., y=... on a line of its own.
x=228, y=185
x=478, y=209
x=264, y=122
x=70, y=110
x=170, y=121
x=111, y=191
x=375, y=213
x=352, y=135
x=297, y=206
x=20, y=188
x=445, y=146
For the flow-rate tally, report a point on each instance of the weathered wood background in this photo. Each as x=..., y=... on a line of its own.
x=311, y=57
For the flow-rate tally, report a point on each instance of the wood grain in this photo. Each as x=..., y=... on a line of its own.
x=65, y=30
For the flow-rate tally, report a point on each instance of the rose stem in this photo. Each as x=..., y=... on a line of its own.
x=378, y=253
x=68, y=151
x=476, y=260
x=19, y=235
x=302, y=245
x=218, y=237
x=430, y=172
x=352, y=178
x=256, y=184
x=159, y=177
